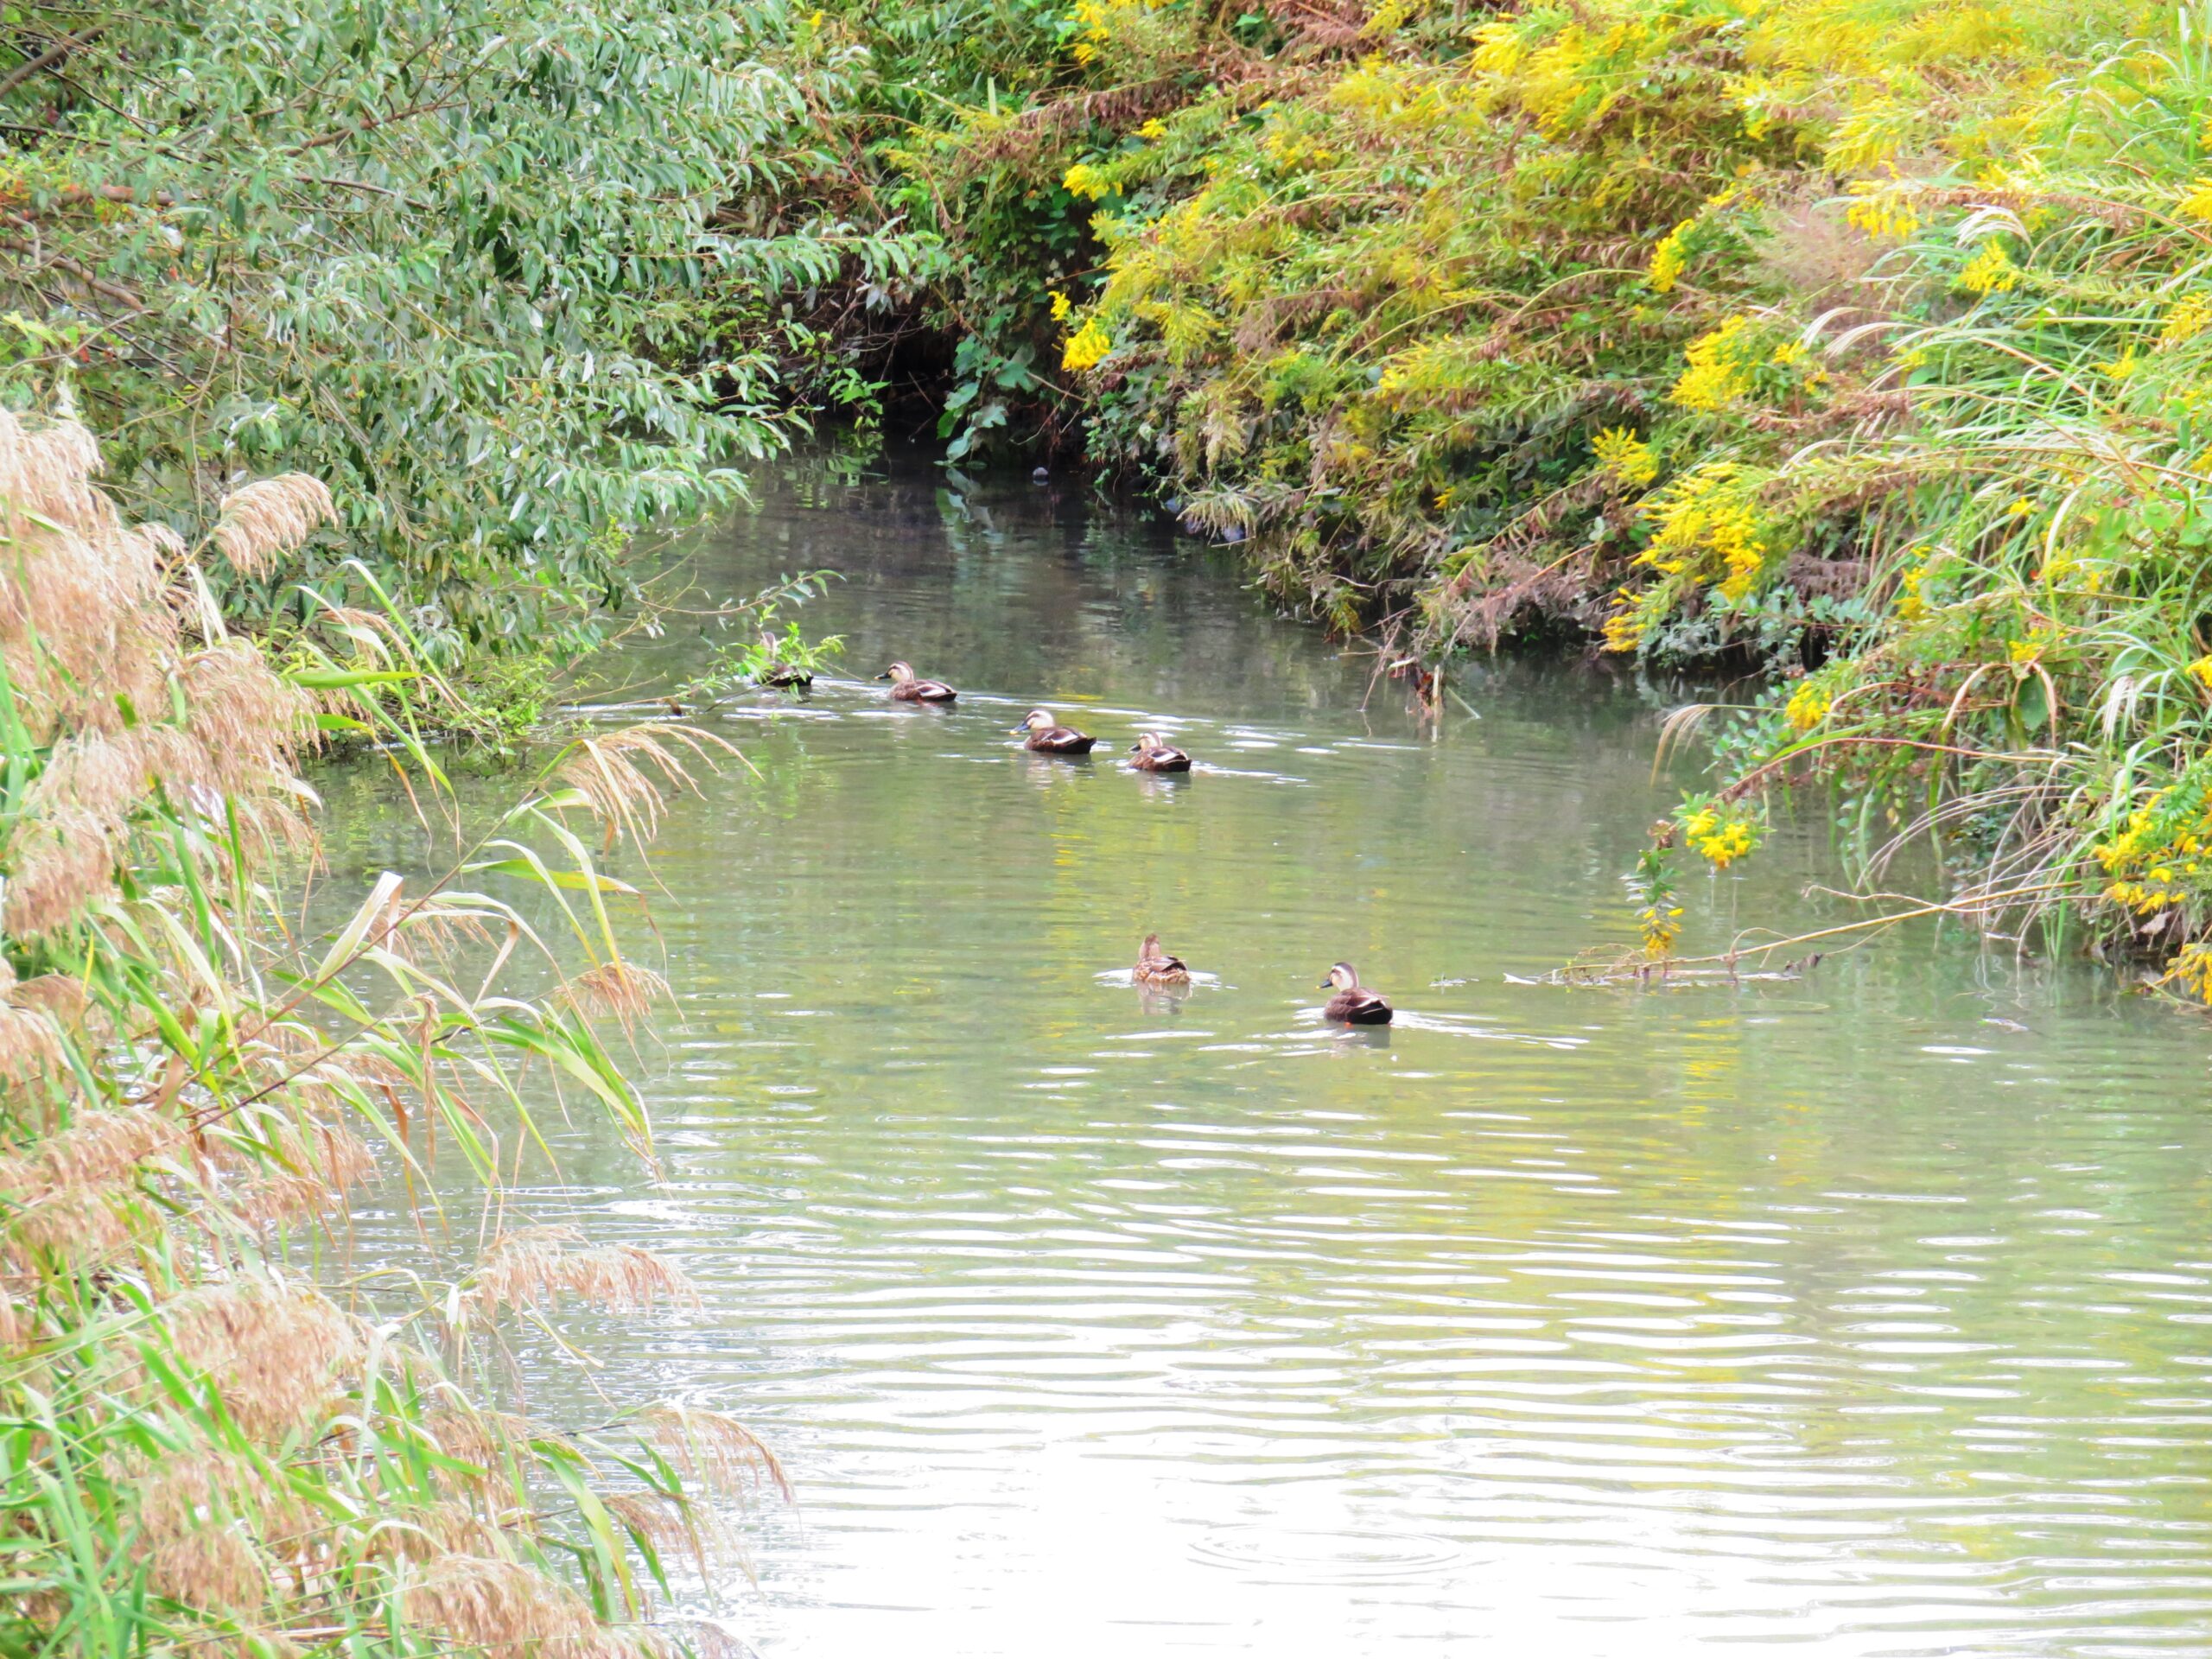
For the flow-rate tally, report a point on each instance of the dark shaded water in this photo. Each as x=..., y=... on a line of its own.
x=1873, y=1310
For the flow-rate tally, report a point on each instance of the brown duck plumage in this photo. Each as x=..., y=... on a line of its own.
x=1155, y=967
x=905, y=688
x=1043, y=737
x=1154, y=755
x=1353, y=1004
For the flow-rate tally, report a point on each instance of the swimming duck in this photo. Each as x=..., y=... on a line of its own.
x=905, y=688
x=1155, y=967
x=1152, y=754
x=784, y=676
x=1353, y=1004
x=1046, y=738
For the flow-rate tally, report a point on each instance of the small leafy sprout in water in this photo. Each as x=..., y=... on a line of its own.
x=771, y=655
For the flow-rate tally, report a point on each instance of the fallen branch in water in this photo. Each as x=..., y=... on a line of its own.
x=1639, y=967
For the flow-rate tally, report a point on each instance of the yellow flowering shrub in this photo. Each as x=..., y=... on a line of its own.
x=2154, y=860
x=1910, y=295
x=1706, y=525
x=1720, y=366
x=2192, y=969
x=1084, y=180
x=1809, y=705
x=1884, y=211
x=2189, y=318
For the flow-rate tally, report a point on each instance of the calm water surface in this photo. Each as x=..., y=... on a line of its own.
x=1870, y=1311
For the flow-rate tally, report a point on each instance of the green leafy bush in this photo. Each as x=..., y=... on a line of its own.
x=461, y=260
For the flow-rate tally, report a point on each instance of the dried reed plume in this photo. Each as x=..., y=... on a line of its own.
x=619, y=990
x=95, y=665
x=274, y=1351
x=70, y=1195
x=270, y=516
x=197, y=1512
x=510, y=1611
x=670, y=1522
x=713, y=1447
x=501, y=1606
x=605, y=771
x=59, y=866
x=297, y=1170
x=31, y=1036
x=534, y=1267
x=488, y=1440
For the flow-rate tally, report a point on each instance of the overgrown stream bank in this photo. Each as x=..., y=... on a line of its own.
x=1859, y=342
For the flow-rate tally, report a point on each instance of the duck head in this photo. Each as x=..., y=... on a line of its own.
x=1037, y=719
x=1146, y=743
x=1342, y=977
x=899, y=671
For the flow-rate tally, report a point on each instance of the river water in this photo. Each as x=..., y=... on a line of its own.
x=1870, y=1310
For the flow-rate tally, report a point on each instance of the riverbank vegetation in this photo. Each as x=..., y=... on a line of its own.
x=1861, y=344
x=225, y=1433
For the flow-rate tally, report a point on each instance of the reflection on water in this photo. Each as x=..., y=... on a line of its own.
x=1871, y=1310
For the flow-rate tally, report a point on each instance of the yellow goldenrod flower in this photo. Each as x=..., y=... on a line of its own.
x=1990, y=271
x=1084, y=180
x=1807, y=707
x=1881, y=211
x=2192, y=969
x=1719, y=838
x=1709, y=510
x=2197, y=204
x=2186, y=320
x=1624, y=628
x=1629, y=459
x=1910, y=605
x=1669, y=258
x=1060, y=305
x=1087, y=346
x=1716, y=375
